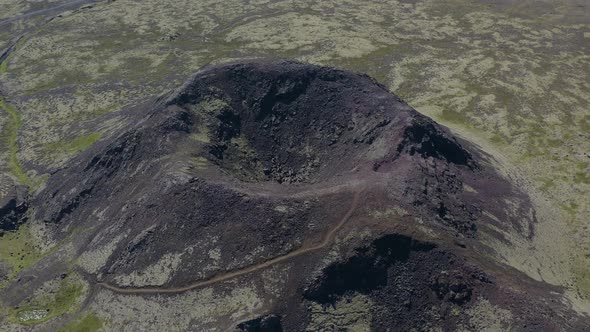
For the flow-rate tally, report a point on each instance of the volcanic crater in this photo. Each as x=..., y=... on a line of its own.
x=317, y=171
x=304, y=126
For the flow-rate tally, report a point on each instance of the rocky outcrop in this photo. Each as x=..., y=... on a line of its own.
x=13, y=205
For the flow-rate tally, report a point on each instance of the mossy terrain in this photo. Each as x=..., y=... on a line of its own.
x=76, y=144
x=18, y=249
x=6, y=60
x=88, y=323
x=351, y=314
x=9, y=137
x=50, y=304
x=4, y=65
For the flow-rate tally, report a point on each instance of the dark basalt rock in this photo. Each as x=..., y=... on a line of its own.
x=270, y=323
x=13, y=206
x=366, y=271
x=452, y=286
x=424, y=138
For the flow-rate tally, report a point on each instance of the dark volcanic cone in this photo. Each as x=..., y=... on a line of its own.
x=284, y=127
x=254, y=165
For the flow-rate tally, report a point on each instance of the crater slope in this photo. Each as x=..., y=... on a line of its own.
x=326, y=197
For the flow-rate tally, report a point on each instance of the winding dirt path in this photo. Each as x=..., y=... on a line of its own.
x=328, y=238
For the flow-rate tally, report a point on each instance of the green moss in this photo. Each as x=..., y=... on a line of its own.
x=19, y=44
x=156, y=64
x=374, y=62
x=202, y=135
x=95, y=113
x=497, y=139
x=89, y=323
x=4, y=65
x=18, y=250
x=64, y=78
x=210, y=106
x=199, y=162
x=581, y=271
x=571, y=208
x=74, y=145
x=453, y=116
x=389, y=213
x=548, y=183
x=585, y=124
x=9, y=138
x=554, y=143
x=49, y=305
x=582, y=177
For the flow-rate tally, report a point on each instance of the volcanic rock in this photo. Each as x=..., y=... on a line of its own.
x=315, y=171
